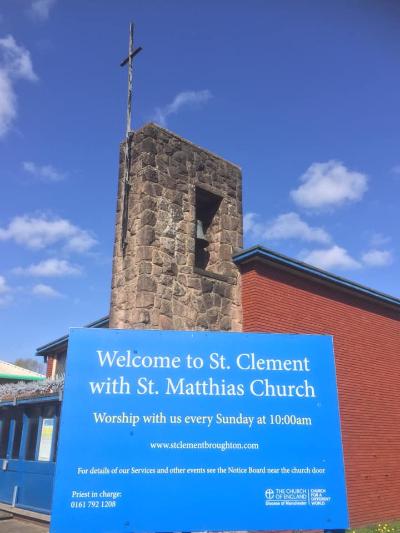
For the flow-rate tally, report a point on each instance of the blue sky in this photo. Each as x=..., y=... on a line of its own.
x=302, y=95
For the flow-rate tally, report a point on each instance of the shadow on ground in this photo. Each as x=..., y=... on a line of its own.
x=21, y=526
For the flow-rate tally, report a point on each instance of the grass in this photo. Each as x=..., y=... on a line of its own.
x=392, y=527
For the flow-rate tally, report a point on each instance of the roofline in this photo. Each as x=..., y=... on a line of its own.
x=32, y=399
x=62, y=340
x=180, y=138
x=259, y=252
x=22, y=378
x=11, y=370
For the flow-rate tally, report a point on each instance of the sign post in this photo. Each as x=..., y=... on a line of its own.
x=194, y=431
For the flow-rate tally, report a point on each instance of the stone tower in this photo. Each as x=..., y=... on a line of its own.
x=178, y=224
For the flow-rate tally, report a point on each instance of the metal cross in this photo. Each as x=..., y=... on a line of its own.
x=127, y=184
x=129, y=60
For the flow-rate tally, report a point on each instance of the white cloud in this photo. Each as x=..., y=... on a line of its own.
x=82, y=241
x=285, y=226
x=40, y=231
x=45, y=172
x=378, y=239
x=377, y=258
x=250, y=224
x=396, y=169
x=41, y=8
x=8, y=107
x=5, y=290
x=15, y=63
x=181, y=100
x=16, y=60
x=3, y=285
x=329, y=258
x=329, y=184
x=49, y=268
x=45, y=290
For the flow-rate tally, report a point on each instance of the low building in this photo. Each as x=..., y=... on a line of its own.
x=10, y=373
x=29, y=422
x=282, y=295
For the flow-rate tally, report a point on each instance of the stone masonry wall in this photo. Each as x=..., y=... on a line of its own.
x=155, y=283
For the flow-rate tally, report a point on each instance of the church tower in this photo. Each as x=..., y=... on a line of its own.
x=178, y=223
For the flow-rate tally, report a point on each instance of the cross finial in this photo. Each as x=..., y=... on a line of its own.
x=129, y=60
x=127, y=183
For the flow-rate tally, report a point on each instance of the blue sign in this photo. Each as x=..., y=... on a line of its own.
x=193, y=431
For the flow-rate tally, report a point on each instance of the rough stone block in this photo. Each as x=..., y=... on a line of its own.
x=145, y=299
x=149, y=145
x=146, y=236
x=207, y=285
x=150, y=174
x=148, y=218
x=144, y=253
x=146, y=283
x=165, y=322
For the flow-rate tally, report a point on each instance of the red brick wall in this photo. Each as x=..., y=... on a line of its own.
x=50, y=364
x=367, y=352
